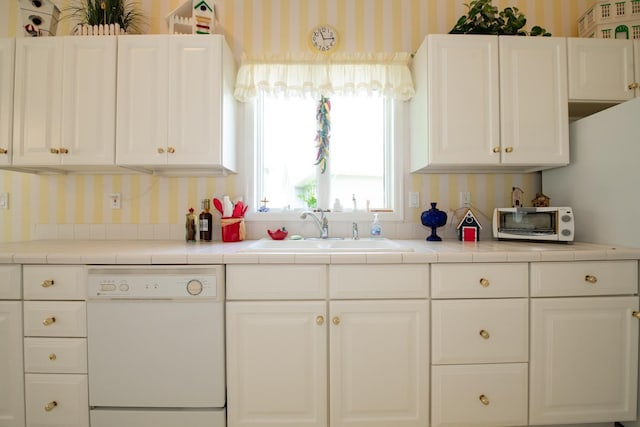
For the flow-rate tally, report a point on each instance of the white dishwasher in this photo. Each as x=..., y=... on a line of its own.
x=155, y=337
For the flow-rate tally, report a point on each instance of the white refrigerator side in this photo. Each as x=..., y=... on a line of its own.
x=602, y=182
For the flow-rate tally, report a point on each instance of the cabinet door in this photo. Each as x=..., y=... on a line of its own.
x=277, y=364
x=379, y=363
x=584, y=360
x=11, y=370
x=7, y=48
x=57, y=400
x=89, y=102
x=455, y=113
x=195, y=80
x=37, y=101
x=600, y=69
x=142, y=100
x=533, y=101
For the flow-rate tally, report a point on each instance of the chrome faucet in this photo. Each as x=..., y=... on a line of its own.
x=322, y=222
x=354, y=231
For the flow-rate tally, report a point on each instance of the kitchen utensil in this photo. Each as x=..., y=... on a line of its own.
x=218, y=205
x=238, y=209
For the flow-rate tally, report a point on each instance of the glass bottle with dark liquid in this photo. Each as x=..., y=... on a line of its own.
x=206, y=221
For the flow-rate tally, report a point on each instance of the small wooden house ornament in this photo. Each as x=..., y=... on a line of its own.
x=517, y=197
x=469, y=227
x=541, y=200
x=193, y=17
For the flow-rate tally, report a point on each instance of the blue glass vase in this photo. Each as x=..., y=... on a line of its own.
x=433, y=218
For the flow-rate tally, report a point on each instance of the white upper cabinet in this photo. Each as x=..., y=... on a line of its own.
x=533, y=101
x=7, y=48
x=89, y=101
x=37, y=101
x=489, y=103
x=602, y=70
x=142, y=99
x=455, y=113
x=64, y=108
x=175, y=103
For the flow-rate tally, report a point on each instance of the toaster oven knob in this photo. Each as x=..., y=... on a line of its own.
x=565, y=218
x=566, y=232
x=194, y=287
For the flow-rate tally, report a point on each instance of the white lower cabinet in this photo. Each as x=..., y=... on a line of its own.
x=55, y=346
x=57, y=400
x=584, y=360
x=378, y=375
x=479, y=395
x=297, y=358
x=11, y=371
x=584, y=346
x=479, y=344
x=277, y=363
x=11, y=377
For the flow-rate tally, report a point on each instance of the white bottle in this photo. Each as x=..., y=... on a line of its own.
x=376, y=228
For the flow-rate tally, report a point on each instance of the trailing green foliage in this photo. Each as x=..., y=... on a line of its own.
x=484, y=18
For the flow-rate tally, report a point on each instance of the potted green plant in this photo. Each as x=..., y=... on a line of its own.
x=485, y=18
x=123, y=13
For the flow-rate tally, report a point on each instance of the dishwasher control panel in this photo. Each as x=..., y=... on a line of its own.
x=155, y=283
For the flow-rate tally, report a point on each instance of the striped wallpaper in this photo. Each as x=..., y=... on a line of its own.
x=257, y=26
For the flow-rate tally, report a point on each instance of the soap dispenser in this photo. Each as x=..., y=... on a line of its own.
x=376, y=228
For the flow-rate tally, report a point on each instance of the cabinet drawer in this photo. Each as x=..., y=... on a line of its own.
x=479, y=280
x=10, y=282
x=488, y=395
x=55, y=355
x=57, y=400
x=480, y=331
x=46, y=282
x=55, y=319
x=379, y=281
x=584, y=278
x=245, y=282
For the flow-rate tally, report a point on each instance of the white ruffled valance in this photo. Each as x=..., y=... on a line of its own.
x=312, y=75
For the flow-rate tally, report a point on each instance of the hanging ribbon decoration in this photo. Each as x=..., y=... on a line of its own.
x=323, y=133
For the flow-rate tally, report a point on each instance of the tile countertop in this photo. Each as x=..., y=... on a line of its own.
x=175, y=252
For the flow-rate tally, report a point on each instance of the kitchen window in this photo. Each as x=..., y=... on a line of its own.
x=364, y=164
x=361, y=166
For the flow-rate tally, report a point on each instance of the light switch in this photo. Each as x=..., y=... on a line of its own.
x=414, y=199
x=4, y=200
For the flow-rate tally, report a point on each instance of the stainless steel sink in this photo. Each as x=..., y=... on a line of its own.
x=326, y=245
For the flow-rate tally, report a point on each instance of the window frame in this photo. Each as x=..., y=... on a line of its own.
x=394, y=156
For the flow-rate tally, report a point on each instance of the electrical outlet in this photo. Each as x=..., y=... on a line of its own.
x=4, y=200
x=414, y=199
x=114, y=199
x=465, y=199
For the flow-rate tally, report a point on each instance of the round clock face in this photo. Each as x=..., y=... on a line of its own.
x=324, y=38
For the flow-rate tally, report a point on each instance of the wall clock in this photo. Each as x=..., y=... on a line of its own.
x=323, y=38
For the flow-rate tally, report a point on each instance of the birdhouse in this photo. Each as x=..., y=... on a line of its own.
x=517, y=196
x=193, y=17
x=39, y=17
x=469, y=227
x=541, y=200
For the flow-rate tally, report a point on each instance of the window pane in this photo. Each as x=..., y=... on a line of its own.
x=288, y=150
x=357, y=150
